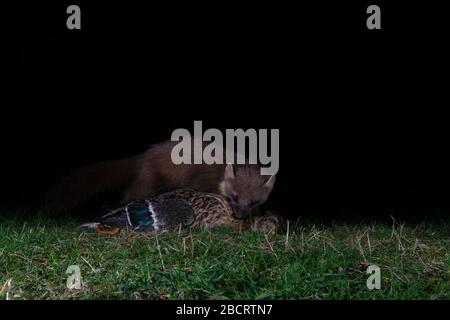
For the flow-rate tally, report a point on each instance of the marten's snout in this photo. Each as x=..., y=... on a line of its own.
x=241, y=212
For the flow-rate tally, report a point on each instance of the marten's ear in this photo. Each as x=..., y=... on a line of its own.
x=270, y=182
x=229, y=173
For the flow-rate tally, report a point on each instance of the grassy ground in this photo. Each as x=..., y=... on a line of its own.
x=314, y=261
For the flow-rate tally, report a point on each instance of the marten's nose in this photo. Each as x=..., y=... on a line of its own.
x=241, y=213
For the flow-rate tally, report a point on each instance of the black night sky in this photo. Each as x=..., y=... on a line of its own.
x=363, y=114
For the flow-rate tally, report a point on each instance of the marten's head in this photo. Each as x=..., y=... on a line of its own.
x=245, y=188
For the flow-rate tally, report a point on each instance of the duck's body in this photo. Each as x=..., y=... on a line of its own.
x=183, y=207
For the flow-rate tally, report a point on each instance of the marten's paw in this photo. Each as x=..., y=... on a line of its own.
x=269, y=222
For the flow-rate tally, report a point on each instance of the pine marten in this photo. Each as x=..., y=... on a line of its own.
x=153, y=172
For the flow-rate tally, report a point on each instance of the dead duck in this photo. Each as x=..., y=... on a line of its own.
x=183, y=207
x=179, y=208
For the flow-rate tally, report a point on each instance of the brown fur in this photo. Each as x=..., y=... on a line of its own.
x=153, y=172
x=156, y=173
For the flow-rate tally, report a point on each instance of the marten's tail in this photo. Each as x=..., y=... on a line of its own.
x=89, y=181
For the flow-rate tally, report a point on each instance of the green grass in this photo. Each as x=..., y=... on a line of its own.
x=315, y=261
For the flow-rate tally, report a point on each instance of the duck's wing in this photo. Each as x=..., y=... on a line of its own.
x=171, y=213
x=134, y=215
x=154, y=214
x=140, y=215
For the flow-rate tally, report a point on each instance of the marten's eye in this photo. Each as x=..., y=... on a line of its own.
x=234, y=198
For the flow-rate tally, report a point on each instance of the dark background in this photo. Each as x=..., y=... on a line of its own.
x=363, y=114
